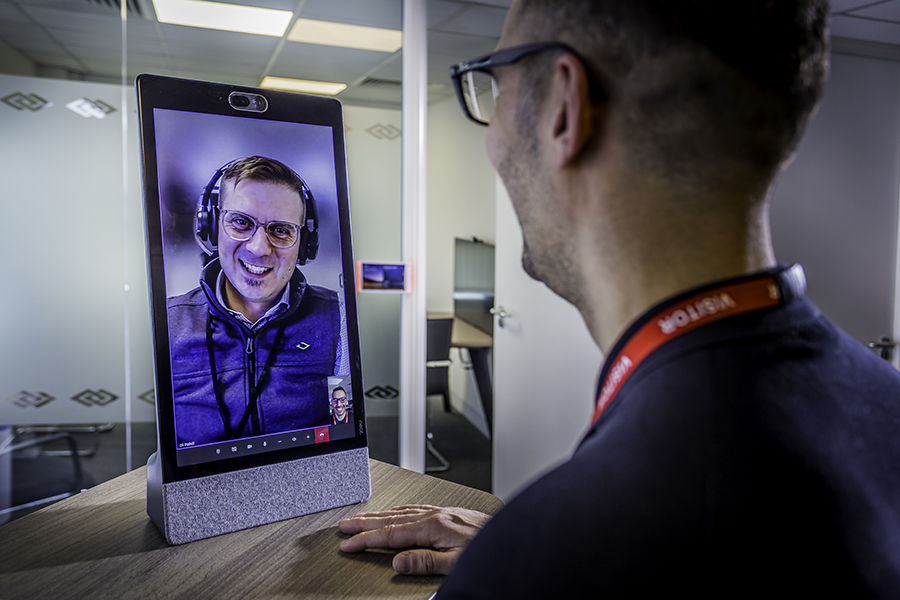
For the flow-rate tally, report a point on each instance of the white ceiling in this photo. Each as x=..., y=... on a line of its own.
x=873, y=20
x=82, y=39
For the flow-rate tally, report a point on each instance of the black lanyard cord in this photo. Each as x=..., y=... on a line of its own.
x=217, y=385
x=257, y=388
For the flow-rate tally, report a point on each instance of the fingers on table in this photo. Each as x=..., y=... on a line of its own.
x=391, y=535
x=376, y=520
x=424, y=562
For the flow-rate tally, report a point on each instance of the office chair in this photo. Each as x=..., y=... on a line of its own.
x=38, y=478
x=437, y=377
x=437, y=357
x=95, y=429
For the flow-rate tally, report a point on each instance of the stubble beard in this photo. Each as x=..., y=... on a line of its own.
x=547, y=250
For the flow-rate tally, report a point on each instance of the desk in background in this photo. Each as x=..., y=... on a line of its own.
x=102, y=544
x=479, y=345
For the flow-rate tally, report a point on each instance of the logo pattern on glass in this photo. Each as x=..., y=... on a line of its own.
x=382, y=393
x=95, y=397
x=20, y=101
x=97, y=109
x=26, y=399
x=382, y=132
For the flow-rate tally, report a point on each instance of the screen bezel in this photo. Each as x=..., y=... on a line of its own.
x=155, y=92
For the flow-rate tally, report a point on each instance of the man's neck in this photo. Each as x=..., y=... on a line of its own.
x=253, y=311
x=654, y=253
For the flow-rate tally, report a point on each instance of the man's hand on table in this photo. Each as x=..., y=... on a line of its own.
x=441, y=534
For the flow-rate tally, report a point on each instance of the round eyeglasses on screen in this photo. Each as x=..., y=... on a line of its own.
x=241, y=227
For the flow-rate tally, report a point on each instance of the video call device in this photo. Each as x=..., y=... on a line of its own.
x=259, y=418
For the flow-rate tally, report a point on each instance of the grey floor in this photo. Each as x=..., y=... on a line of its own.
x=467, y=449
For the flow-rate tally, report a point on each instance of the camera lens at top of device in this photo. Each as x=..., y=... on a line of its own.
x=240, y=100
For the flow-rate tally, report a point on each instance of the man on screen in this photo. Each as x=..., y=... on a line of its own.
x=741, y=444
x=253, y=345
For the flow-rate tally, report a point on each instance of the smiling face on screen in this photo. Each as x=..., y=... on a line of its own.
x=256, y=270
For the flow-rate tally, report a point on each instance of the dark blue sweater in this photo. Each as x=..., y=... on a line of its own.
x=754, y=457
x=292, y=391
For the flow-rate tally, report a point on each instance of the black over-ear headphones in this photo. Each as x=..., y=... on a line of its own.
x=206, y=219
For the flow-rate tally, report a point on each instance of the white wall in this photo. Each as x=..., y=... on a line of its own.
x=63, y=169
x=67, y=302
x=834, y=209
x=373, y=169
x=90, y=148
x=461, y=190
x=461, y=204
x=460, y=194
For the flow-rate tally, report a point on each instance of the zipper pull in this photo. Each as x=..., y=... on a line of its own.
x=249, y=345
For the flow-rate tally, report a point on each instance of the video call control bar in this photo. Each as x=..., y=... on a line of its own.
x=193, y=455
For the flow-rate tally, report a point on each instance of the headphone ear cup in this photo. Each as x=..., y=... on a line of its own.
x=212, y=221
x=206, y=218
x=312, y=245
x=309, y=233
x=206, y=225
x=308, y=246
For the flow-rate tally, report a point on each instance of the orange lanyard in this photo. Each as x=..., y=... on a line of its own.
x=711, y=305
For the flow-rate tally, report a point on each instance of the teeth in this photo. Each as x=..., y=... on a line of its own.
x=254, y=269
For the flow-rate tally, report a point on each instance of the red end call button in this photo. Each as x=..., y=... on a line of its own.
x=321, y=434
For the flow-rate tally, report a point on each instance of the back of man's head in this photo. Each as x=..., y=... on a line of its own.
x=708, y=91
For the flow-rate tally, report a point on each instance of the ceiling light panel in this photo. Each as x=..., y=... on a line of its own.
x=327, y=33
x=224, y=17
x=325, y=88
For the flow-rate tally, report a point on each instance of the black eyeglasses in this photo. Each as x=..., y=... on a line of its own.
x=476, y=88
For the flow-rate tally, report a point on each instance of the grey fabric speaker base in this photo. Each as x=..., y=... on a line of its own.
x=199, y=508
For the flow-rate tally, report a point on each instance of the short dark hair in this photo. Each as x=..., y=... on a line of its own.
x=700, y=83
x=337, y=388
x=265, y=170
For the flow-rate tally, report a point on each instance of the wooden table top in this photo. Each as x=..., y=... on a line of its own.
x=102, y=544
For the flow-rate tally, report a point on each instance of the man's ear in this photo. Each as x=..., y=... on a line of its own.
x=572, y=110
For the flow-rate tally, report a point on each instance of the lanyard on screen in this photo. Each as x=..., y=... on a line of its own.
x=256, y=385
x=713, y=304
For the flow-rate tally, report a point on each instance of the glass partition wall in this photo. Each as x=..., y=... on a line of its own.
x=74, y=314
x=74, y=311
x=76, y=380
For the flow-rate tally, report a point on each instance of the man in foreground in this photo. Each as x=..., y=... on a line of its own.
x=741, y=445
